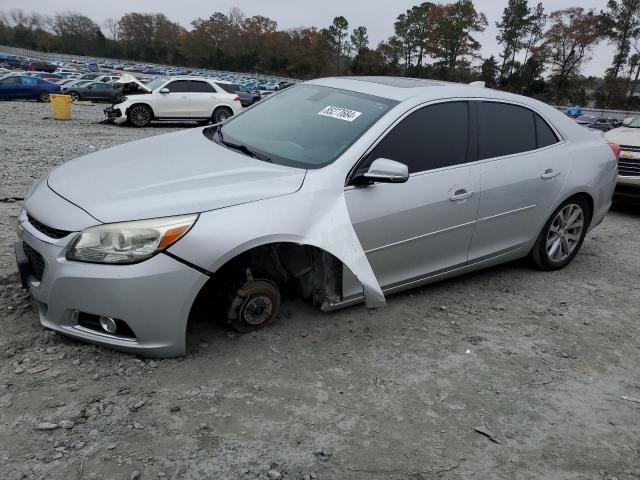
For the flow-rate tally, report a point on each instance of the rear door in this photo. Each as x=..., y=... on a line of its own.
x=177, y=102
x=9, y=87
x=521, y=176
x=203, y=98
x=424, y=226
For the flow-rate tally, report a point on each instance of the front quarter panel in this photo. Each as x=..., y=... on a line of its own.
x=316, y=215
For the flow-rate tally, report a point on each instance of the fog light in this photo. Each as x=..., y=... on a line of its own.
x=108, y=324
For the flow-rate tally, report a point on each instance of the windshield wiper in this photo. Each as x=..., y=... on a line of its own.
x=242, y=148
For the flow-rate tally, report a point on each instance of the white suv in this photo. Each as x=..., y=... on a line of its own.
x=173, y=98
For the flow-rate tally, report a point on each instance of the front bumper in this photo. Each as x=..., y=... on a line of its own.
x=153, y=297
x=627, y=190
x=116, y=114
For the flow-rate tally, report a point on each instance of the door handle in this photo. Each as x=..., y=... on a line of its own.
x=461, y=194
x=549, y=174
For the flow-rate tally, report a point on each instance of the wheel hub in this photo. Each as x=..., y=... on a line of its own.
x=257, y=310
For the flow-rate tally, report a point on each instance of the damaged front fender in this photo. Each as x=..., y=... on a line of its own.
x=316, y=215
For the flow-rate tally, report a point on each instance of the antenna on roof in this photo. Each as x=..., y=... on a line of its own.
x=479, y=84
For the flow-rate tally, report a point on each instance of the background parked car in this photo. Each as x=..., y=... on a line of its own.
x=247, y=98
x=602, y=124
x=95, y=91
x=25, y=87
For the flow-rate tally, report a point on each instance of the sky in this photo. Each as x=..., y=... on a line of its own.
x=377, y=15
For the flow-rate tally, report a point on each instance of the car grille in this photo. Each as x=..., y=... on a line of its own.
x=629, y=167
x=48, y=231
x=35, y=260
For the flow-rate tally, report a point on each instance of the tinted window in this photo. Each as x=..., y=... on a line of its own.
x=10, y=81
x=433, y=137
x=179, y=86
x=226, y=87
x=505, y=129
x=544, y=134
x=202, y=87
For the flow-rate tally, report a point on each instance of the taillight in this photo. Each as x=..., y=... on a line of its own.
x=616, y=150
x=237, y=99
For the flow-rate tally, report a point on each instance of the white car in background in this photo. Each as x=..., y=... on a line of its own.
x=173, y=98
x=628, y=137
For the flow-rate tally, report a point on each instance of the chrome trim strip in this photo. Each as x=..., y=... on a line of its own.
x=104, y=335
x=430, y=234
x=503, y=214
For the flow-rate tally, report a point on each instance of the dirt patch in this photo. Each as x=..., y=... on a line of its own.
x=539, y=360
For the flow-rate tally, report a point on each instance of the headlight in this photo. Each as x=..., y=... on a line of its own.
x=128, y=242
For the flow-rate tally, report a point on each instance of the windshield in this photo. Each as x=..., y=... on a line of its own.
x=635, y=123
x=153, y=84
x=307, y=126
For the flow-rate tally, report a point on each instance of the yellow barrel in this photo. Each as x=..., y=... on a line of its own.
x=61, y=106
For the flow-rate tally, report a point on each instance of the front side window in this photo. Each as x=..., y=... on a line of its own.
x=179, y=86
x=433, y=137
x=307, y=126
x=505, y=129
x=10, y=81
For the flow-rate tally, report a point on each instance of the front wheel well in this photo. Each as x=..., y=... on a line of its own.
x=299, y=270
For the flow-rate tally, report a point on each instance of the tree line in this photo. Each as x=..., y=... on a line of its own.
x=542, y=53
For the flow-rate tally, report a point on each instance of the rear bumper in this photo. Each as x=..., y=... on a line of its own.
x=154, y=297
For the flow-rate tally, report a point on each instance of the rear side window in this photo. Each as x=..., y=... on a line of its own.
x=201, y=87
x=226, y=87
x=432, y=137
x=179, y=86
x=544, y=134
x=29, y=81
x=505, y=129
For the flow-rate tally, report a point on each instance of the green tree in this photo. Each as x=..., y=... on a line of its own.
x=489, y=71
x=336, y=36
x=512, y=31
x=621, y=24
x=450, y=39
x=360, y=39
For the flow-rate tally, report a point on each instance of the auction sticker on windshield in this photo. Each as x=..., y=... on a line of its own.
x=339, y=113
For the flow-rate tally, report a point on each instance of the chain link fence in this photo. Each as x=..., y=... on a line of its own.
x=62, y=57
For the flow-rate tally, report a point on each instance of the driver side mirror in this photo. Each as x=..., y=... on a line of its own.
x=164, y=90
x=383, y=170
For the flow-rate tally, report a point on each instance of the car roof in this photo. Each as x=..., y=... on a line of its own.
x=403, y=88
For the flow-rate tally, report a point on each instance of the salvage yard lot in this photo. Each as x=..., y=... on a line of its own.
x=539, y=361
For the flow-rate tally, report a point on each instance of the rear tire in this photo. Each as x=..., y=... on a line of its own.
x=220, y=114
x=562, y=235
x=255, y=305
x=75, y=96
x=139, y=116
x=43, y=97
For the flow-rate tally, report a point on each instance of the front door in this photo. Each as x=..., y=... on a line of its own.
x=176, y=103
x=521, y=178
x=422, y=227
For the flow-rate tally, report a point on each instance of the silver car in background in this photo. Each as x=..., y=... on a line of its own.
x=338, y=190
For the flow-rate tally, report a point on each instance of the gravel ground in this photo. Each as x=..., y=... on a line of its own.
x=547, y=365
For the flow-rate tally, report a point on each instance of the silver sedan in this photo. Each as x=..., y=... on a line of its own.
x=338, y=190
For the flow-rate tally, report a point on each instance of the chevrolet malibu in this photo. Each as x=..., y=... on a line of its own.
x=338, y=191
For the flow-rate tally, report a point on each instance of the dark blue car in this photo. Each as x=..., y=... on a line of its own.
x=23, y=86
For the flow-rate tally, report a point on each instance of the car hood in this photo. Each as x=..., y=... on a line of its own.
x=170, y=174
x=128, y=78
x=624, y=136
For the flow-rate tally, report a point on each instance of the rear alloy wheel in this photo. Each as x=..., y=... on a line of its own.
x=562, y=235
x=75, y=96
x=220, y=114
x=139, y=115
x=43, y=97
x=255, y=305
